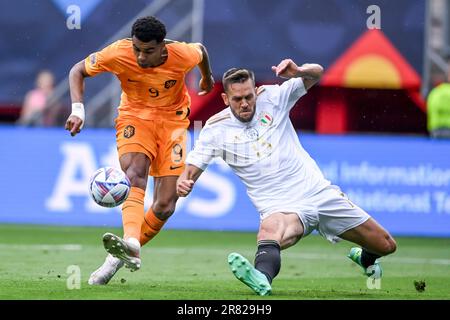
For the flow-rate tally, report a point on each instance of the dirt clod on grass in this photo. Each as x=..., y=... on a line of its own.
x=420, y=285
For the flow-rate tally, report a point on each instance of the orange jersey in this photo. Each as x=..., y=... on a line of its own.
x=148, y=93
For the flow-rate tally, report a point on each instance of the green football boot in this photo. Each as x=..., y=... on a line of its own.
x=374, y=270
x=246, y=273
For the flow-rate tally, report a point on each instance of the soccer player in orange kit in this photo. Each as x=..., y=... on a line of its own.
x=150, y=128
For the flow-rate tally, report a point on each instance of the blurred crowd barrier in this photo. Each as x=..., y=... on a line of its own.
x=403, y=182
x=247, y=33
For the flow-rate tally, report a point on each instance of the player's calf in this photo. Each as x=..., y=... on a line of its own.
x=378, y=246
x=268, y=259
x=371, y=236
x=387, y=246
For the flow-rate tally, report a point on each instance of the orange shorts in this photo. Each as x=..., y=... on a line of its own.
x=163, y=141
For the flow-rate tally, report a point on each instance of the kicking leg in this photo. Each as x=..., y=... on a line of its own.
x=126, y=251
x=166, y=168
x=136, y=166
x=371, y=236
x=375, y=242
x=164, y=202
x=277, y=232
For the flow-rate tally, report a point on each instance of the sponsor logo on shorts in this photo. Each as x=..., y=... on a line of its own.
x=128, y=132
x=169, y=84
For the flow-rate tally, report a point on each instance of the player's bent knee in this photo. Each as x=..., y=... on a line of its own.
x=272, y=228
x=163, y=209
x=289, y=241
x=392, y=246
x=389, y=246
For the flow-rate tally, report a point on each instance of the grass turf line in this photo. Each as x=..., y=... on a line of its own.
x=186, y=265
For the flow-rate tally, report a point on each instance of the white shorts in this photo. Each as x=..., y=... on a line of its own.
x=329, y=211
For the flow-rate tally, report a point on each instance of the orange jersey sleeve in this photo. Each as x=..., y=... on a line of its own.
x=189, y=53
x=103, y=60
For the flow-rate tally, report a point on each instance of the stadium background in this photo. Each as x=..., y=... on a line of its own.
x=365, y=124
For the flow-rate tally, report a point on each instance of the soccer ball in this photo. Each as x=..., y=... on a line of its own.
x=109, y=187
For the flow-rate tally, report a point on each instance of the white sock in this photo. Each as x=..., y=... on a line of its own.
x=134, y=242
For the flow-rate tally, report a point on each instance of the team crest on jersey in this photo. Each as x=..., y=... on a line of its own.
x=265, y=119
x=252, y=133
x=93, y=59
x=169, y=84
x=128, y=132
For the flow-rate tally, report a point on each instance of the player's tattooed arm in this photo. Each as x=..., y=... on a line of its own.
x=206, y=83
x=186, y=180
x=309, y=72
x=76, y=82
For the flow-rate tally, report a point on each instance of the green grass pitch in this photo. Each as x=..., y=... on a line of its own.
x=186, y=265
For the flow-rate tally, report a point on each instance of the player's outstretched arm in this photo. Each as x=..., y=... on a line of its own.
x=310, y=72
x=186, y=180
x=75, y=122
x=206, y=83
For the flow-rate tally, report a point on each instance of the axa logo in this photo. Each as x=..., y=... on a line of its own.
x=79, y=162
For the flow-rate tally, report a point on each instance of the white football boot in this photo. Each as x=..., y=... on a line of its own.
x=128, y=251
x=107, y=270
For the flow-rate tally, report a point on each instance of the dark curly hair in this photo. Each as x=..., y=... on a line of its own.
x=147, y=29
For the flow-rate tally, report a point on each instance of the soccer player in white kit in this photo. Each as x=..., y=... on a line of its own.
x=255, y=137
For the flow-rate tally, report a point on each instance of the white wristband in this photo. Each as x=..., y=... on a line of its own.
x=78, y=110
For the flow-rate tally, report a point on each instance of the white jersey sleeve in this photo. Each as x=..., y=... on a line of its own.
x=204, y=150
x=288, y=93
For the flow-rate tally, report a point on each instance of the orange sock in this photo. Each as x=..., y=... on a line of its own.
x=150, y=226
x=133, y=213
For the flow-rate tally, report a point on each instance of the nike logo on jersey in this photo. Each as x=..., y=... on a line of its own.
x=131, y=80
x=174, y=167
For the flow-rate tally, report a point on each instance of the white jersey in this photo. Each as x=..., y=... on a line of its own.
x=265, y=153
